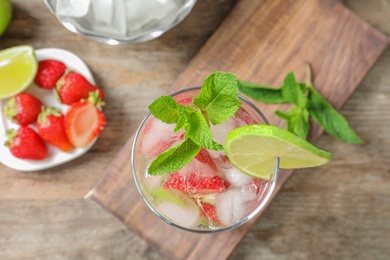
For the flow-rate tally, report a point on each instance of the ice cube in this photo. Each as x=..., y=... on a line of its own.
x=141, y=13
x=220, y=159
x=109, y=17
x=236, y=177
x=153, y=182
x=241, y=118
x=199, y=169
x=231, y=206
x=73, y=8
x=187, y=215
x=159, y=137
x=250, y=190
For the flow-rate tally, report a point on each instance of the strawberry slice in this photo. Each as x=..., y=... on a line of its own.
x=200, y=176
x=194, y=184
x=245, y=116
x=85, y=120
x=209, y=212
x=49, y=72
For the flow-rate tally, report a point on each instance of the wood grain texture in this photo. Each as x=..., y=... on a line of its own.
x=340, y=211
x=259, y=42
x=34, y=229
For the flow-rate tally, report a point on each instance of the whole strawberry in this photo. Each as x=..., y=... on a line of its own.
x=51, y=128
x=75, y=87
x=49, y=72
x=84, y=121
x=25, y=143
x=23, y=108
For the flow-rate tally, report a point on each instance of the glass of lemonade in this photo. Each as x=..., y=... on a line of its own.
x=209, y=194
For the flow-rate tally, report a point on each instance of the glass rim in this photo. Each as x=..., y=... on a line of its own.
x=237, y=224
x=180, y=15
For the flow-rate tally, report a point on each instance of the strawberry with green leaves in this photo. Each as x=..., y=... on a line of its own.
x=25, y=143
x=74, y=87
x=49, y=72
x=23, y=108
x=51, y=128
x=85, y=120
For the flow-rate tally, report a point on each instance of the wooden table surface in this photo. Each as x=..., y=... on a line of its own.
x=340, y=211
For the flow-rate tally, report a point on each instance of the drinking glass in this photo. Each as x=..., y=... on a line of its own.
x=243, y=199
x=120, y=21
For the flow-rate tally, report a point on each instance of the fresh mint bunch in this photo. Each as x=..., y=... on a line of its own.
x=306, y=101
x=216, y=102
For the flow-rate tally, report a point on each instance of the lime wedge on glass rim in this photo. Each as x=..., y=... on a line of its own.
x=18, y=67
x=253, y=150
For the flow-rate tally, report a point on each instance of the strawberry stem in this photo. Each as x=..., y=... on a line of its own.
x=94, y=99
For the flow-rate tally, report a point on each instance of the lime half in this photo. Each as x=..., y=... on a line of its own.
x=18, y=66
x=253, y=150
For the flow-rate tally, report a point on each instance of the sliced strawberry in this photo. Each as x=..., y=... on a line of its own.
x=259, y=185
x=185, y=101
x=23, y=108
x=200, y=176
x=194, y=184
x=209, y=212
x=49, y=72
x=51, y=128
x=25, y=143
x=245, y=116
x=74, y=87
x=85, y=120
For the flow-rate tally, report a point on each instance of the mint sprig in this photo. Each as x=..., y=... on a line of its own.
x=216, y=102
x=306, y=102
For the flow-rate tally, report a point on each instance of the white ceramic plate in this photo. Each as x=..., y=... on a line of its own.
x=56, y=156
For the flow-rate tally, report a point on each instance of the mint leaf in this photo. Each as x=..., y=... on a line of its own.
x=175, y=158
x=261, y=93
x=166, y=109
x=218, y=97
x=331, y=120
x=199, y=131
x=294, y=92
x=297, y=121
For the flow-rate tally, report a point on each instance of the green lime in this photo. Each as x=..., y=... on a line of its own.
x=18, y=66
x=253, y=150
x=5, y=14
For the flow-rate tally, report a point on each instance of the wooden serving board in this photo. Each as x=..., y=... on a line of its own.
x=260, y=41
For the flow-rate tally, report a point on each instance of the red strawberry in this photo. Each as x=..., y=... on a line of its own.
x=49, y=72
x=85, y=120
x=209, y=212
x=194, y=184
x=23, y=108
x=51, y=128
x=74, y=87
x=26, y=144
x=185, y=101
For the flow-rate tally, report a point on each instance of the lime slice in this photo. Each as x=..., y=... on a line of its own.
x=253, y=150
x=18, y=66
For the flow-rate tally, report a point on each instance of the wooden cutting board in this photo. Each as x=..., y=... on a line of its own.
x=260, y=41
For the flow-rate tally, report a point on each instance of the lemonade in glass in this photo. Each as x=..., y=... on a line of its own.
x=208, y=194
